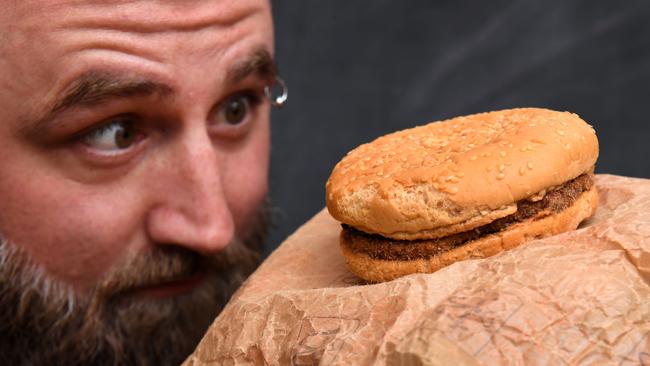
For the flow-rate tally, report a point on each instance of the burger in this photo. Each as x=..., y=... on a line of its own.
x=420, y=199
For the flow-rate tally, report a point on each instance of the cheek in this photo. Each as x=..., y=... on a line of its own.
x=245, y=177
x=74, y=234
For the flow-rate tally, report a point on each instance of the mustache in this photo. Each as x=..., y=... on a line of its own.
x=170, y=263
x=159, y=266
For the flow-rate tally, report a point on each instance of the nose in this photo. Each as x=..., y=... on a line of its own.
x=190, y=207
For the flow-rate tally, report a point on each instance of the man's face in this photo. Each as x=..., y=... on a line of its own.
x=133, y=133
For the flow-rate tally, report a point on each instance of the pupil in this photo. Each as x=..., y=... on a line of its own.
x=123, y=138
x=235, y=112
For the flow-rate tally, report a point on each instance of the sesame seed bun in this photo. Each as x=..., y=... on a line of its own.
x=456, y=175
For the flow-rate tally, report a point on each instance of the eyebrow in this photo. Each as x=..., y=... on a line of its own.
x=97, y=87
x=260, y=62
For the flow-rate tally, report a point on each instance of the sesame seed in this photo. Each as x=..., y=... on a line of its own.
x=501, y=167
x=488, y=168
x=453, y=189
x=461, y=174
x=530, y=165
x=472, y=158
x=502, y=153
x=560, y=132
x=568, y=146
x=522, y=170
x=500, y=176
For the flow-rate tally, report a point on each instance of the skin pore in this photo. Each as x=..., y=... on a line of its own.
x=134, y=151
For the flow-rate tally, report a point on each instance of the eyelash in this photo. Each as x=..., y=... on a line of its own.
x=255, y=98
x=103, y=128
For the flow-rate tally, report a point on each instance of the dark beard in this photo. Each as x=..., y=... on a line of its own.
x=43, y=321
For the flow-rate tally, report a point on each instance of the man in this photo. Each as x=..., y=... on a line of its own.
x=134, y=141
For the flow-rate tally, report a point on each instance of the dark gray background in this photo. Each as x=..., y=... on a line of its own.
x=359, y=69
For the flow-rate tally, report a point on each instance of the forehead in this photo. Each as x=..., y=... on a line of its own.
x=61, y=23
x=149, y=13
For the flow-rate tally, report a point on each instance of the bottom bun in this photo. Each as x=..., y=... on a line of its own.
x=379, y=270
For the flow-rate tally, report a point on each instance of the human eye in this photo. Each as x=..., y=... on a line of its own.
x=115, y=137
x=234, y=115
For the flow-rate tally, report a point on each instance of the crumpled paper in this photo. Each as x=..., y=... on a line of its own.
x=582, y=297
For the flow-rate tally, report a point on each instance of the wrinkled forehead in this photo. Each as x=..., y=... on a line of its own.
x=51, y=40
x=38, y=21
x=148, y=14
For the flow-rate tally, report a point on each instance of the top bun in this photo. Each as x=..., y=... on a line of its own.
x=455, y=175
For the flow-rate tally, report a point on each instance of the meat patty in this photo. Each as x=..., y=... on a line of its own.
x=379, y=247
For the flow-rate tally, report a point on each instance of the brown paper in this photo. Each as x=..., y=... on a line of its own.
x=582, y=297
